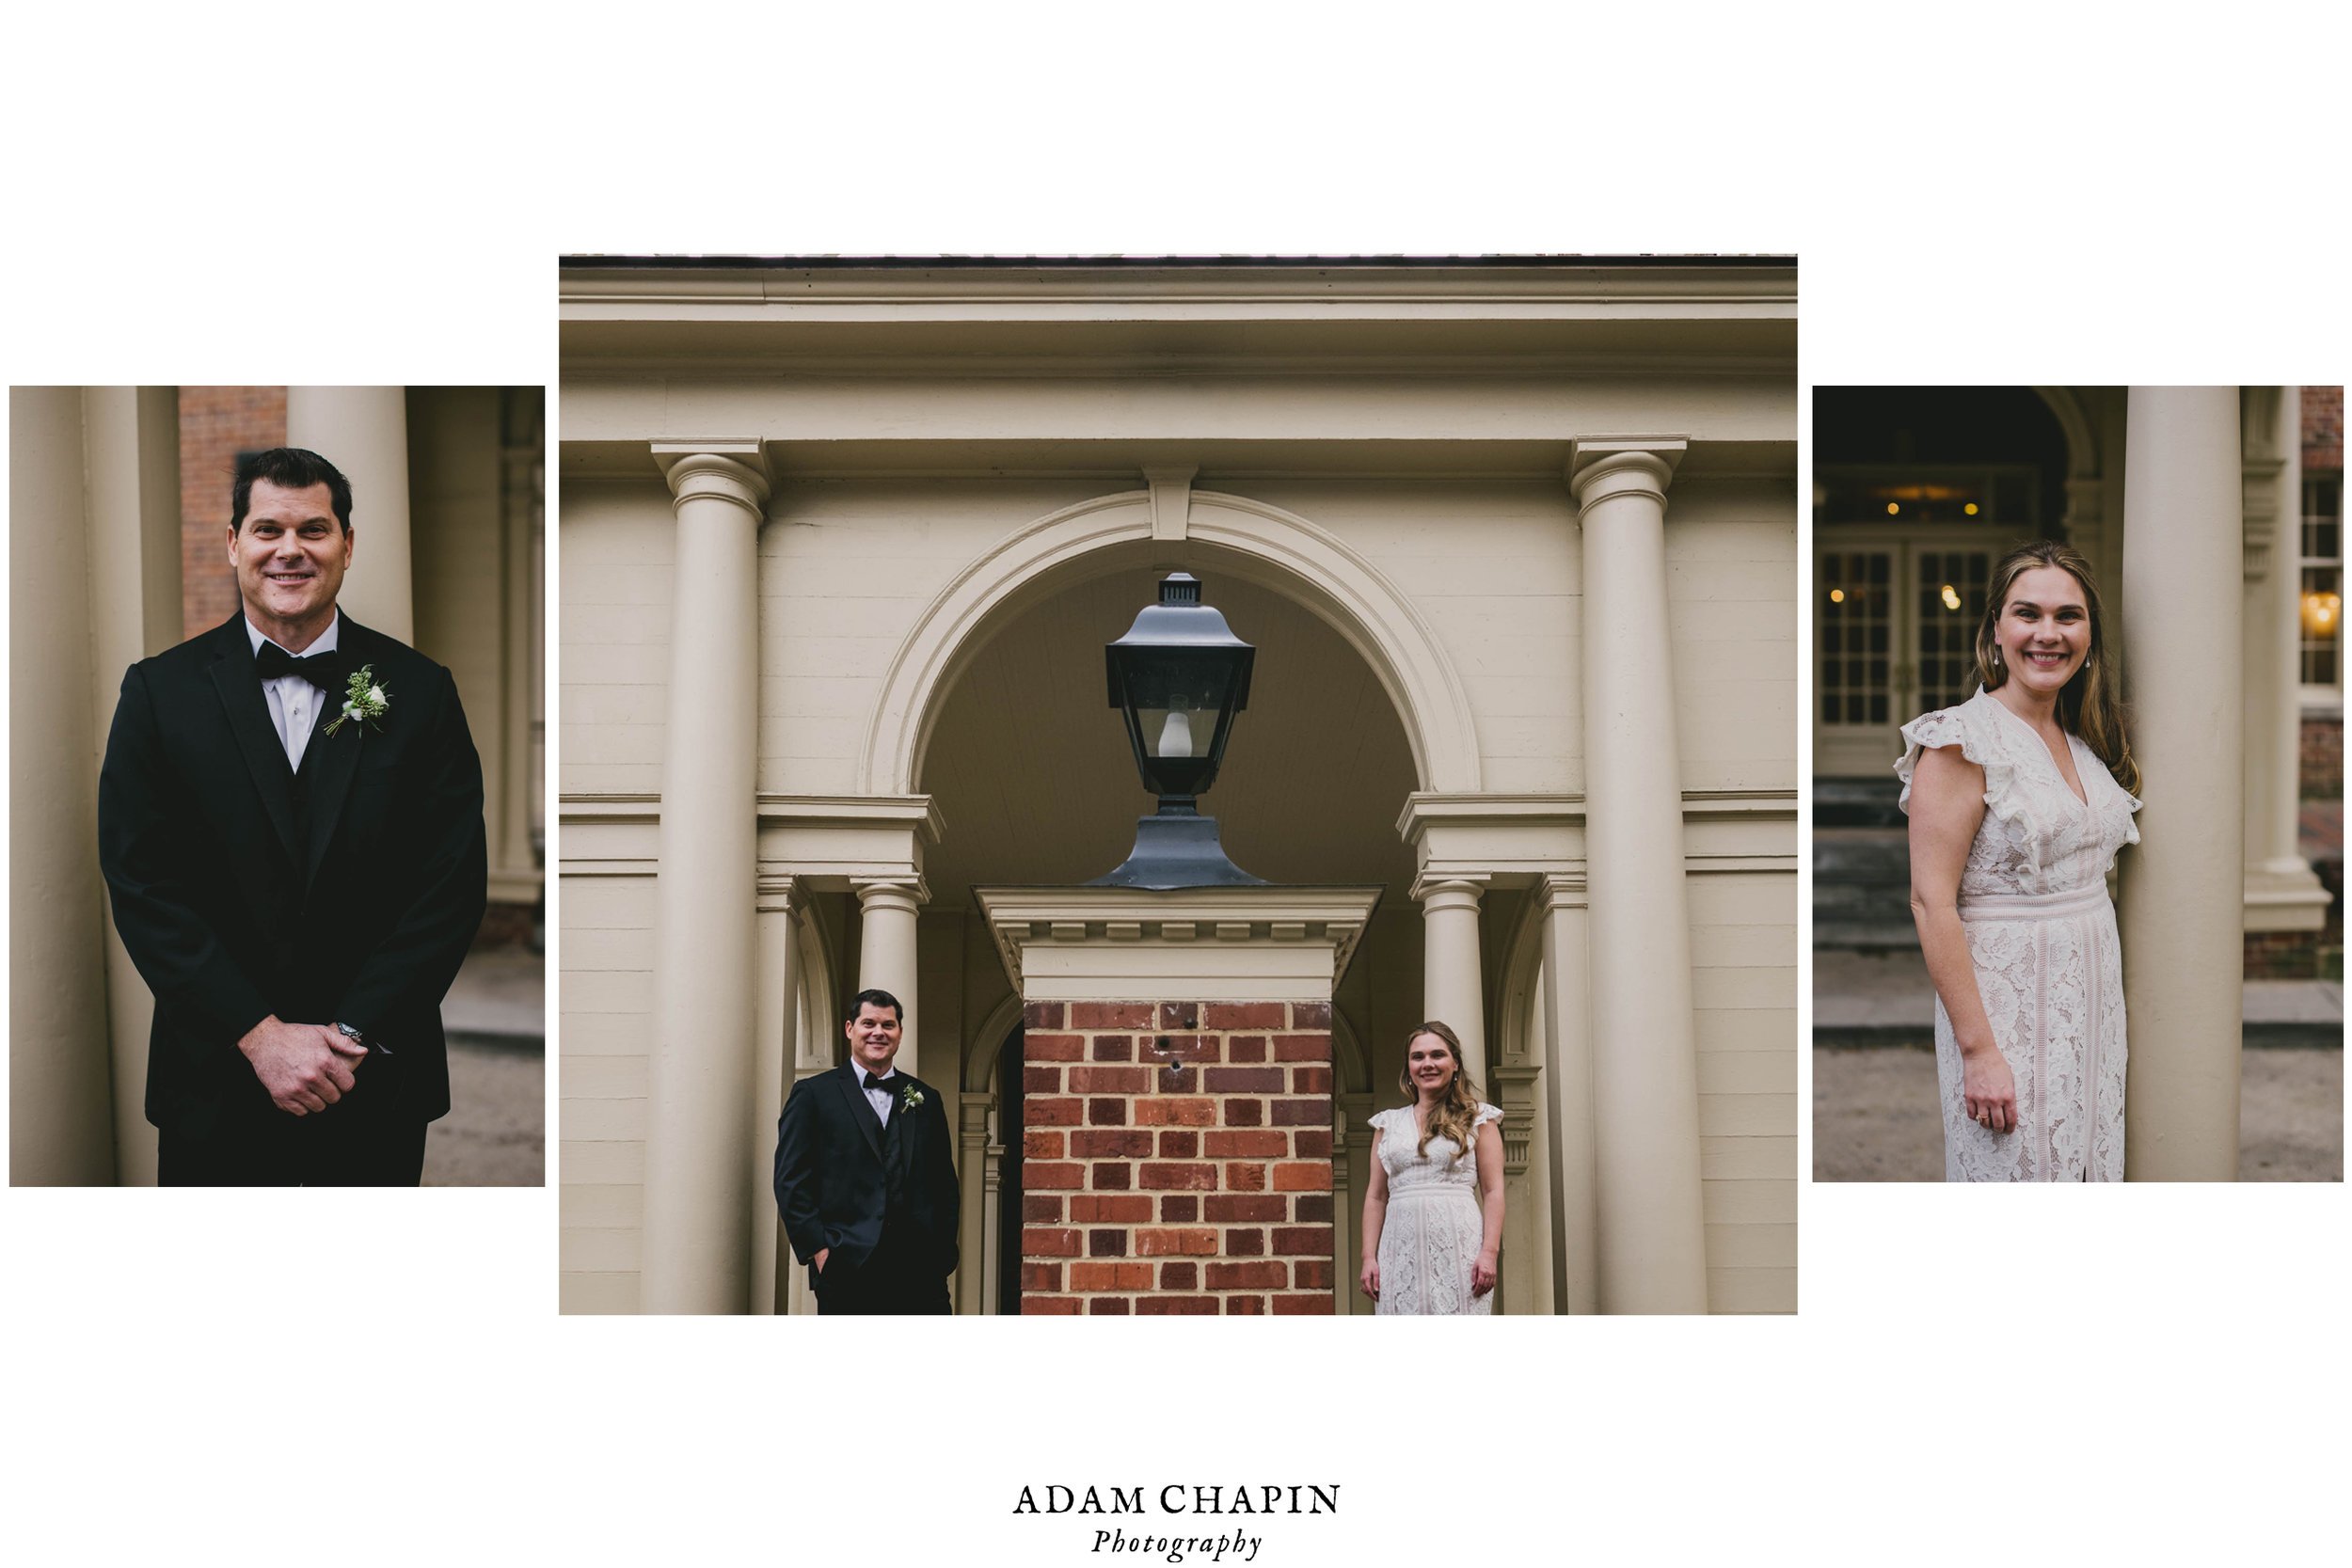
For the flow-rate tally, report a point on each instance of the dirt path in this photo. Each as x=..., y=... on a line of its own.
x=1875, y=1119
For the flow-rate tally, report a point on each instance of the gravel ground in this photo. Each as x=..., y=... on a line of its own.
x=495, y=1134
x=1875, y=1119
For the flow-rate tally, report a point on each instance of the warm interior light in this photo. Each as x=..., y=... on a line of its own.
x=1970, y=509
x=2321, y=613
x=1893, y=510
x=1951, y=597
x=1838, y=595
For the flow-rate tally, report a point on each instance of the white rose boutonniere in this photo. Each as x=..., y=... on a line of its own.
x=910, y=1100
x=363, y=700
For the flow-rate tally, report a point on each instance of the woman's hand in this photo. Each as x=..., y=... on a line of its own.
x=1370, y=1278
x=1483, y=1273
x=1991, y=1089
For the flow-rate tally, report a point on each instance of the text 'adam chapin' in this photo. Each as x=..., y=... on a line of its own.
x=1176, y=1498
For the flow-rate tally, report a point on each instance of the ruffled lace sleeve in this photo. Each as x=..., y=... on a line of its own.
x=1486, y=1113
x=1977, y=742
x=1380, y=1121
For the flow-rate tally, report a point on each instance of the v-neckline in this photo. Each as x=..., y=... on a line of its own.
x=2081, y=800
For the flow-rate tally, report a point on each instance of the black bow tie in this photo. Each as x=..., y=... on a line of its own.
x=328, y=670
x=885, y=1085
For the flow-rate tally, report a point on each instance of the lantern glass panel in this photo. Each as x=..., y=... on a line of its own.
x=1178, y=700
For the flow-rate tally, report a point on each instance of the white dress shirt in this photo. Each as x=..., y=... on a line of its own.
x=878, y=1095
x=295, y=703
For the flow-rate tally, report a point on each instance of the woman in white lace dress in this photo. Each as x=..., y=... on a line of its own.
x=2019, y=799
x=1433, y=1214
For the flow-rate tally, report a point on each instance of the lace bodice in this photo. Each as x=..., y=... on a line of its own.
x=2036, y=837
x=1409, y=1169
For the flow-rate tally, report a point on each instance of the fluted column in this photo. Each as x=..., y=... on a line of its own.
x=1568, y=1086
x=697, y=1134
x=886, y=950
x=2181, y=912
x=1651, y=1231
x=1452, y=990
x=774, y=1053
x=364, y=431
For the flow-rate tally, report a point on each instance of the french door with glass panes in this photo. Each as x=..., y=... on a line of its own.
x=1895, y=618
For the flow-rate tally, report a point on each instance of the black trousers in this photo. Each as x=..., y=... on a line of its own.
x=282, y=1151
x=891, y=1281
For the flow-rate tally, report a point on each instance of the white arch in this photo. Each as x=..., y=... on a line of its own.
x=2082, y=445
x=1274, y=549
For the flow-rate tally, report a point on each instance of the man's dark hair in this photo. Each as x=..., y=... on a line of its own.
x=880, y=999
x=289, y=468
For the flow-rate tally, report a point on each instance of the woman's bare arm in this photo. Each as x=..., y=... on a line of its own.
x=1947, y=809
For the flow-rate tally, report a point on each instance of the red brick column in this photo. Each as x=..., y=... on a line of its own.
x=1202, y=1188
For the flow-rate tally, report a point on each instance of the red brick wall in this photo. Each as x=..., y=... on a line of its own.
x=1204, y=1189
x=2322, y=427
x=2320, y=770
x=215, y=424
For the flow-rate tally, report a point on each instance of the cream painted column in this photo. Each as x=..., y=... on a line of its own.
x=972, y=1200
x=774, y=1051
x=1568, y=1087
x=132, y=435
x=2282, y=892
x=886, y=950
x=991, y=1216
x=364, y=431
x=1652, y=1229
x=1450, y=989
x=1352, y=1150
x=698, y=1200
x=61, y=1102
x=2181, y=913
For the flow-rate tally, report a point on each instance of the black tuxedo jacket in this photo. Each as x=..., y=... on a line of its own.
x=346, y=894
x=842, y=1176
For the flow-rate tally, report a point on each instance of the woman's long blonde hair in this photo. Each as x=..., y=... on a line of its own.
x=2091, y=704
x=1455, y=1114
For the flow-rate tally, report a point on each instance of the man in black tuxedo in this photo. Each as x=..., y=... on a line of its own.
x=866, y=1176
x=298, y=900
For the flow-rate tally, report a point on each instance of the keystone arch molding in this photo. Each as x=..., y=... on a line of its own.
x=1274, y=549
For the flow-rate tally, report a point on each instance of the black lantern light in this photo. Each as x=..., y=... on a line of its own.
x=1178, y=676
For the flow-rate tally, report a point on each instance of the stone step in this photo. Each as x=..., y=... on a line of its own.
x=1885, y=998
x=1857, y=802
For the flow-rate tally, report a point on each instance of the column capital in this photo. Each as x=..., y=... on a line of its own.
x=1600, y=467
x=906, y=891
x=1449, y=890
x=1561, y=890
x=734, y=470
x=781, y=895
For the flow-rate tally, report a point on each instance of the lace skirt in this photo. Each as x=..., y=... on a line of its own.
x=2051, y=975
x=1427, y=1244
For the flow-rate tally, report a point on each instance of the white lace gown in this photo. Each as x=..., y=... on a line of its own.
x=1434, y=1226
x=2041, y=929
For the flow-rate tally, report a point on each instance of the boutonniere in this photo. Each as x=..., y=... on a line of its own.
x=363, y=700
x=910, y=1100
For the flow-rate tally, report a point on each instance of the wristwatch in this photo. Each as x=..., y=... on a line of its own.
x=359, y=1039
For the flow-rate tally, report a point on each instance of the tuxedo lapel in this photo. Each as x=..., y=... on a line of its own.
x=247, y=714
x=860, y=1110
x=330, y=764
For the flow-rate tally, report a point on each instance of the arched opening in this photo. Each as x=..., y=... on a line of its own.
x=1029, y=769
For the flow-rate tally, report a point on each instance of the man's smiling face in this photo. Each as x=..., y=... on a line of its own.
x=289, y=555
